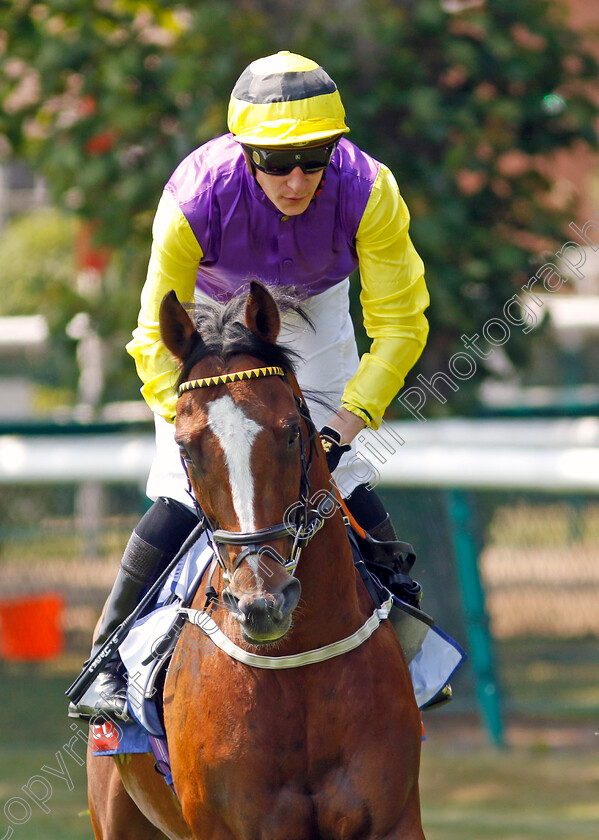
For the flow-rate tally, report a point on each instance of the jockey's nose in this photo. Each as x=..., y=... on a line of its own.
x=297, y=179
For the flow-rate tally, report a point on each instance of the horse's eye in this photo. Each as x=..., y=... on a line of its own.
x=293, y=436
x=185, y=456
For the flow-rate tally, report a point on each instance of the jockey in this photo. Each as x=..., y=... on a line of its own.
x=286, y=199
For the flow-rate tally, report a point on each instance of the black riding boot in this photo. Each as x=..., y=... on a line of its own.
x=384, y=556
x=154, y=542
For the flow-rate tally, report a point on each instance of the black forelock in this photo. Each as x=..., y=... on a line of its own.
x=221, y=332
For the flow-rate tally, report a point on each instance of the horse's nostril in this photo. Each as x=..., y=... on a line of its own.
x=290, y=592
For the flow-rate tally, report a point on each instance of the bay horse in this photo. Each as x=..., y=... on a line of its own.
x=328, y=750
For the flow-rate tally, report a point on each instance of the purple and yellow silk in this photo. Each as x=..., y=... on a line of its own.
x=215, y=230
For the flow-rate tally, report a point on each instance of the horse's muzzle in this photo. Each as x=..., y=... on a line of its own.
x=264, y=615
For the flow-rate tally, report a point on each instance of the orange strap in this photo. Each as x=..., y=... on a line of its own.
x=346, y=512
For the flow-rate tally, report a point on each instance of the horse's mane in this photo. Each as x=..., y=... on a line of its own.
x=222, y=331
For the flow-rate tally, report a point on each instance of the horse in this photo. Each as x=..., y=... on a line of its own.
x=330, y=748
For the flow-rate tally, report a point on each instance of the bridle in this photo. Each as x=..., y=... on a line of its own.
x=305, y=522
x=308, y=521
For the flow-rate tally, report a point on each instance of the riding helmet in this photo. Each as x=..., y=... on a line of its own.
x=285, y=100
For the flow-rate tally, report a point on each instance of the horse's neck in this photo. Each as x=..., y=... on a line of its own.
x=327, y=574
x=327, y=562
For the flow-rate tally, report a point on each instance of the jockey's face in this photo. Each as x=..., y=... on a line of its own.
x=292, y=193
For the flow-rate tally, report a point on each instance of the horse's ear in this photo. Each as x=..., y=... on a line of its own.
x=177, y=330
x=262, y=313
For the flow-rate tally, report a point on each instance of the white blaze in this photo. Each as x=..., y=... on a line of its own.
x=236, y=433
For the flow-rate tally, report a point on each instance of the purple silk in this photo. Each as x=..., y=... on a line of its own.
x=242, y=234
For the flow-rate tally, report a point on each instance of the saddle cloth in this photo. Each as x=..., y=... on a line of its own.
x=433, y=657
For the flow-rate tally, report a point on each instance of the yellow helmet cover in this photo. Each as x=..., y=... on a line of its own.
x=285, y=100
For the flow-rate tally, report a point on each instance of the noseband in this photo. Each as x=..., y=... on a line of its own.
x=306, y=521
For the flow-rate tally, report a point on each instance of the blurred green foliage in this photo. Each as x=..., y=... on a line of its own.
x=37, y=259
x=466, y=102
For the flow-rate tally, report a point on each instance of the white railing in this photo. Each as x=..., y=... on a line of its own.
x=560, y=455
x=48, y=459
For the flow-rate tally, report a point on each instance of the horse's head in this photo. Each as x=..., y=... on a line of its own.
x=246, y=446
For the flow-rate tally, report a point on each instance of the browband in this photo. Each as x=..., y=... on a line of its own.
x=225, y=378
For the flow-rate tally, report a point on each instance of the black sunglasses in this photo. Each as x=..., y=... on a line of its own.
x=284, y=161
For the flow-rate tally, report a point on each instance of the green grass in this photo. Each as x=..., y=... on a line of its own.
x=544, y=786
x=34, y=727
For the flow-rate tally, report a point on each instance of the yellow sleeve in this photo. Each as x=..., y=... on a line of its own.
x=174, y=262
x=393, y=297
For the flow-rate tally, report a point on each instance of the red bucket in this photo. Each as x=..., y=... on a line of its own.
x=31, y=627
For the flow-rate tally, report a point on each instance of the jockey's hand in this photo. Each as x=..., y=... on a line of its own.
x=333, y=448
